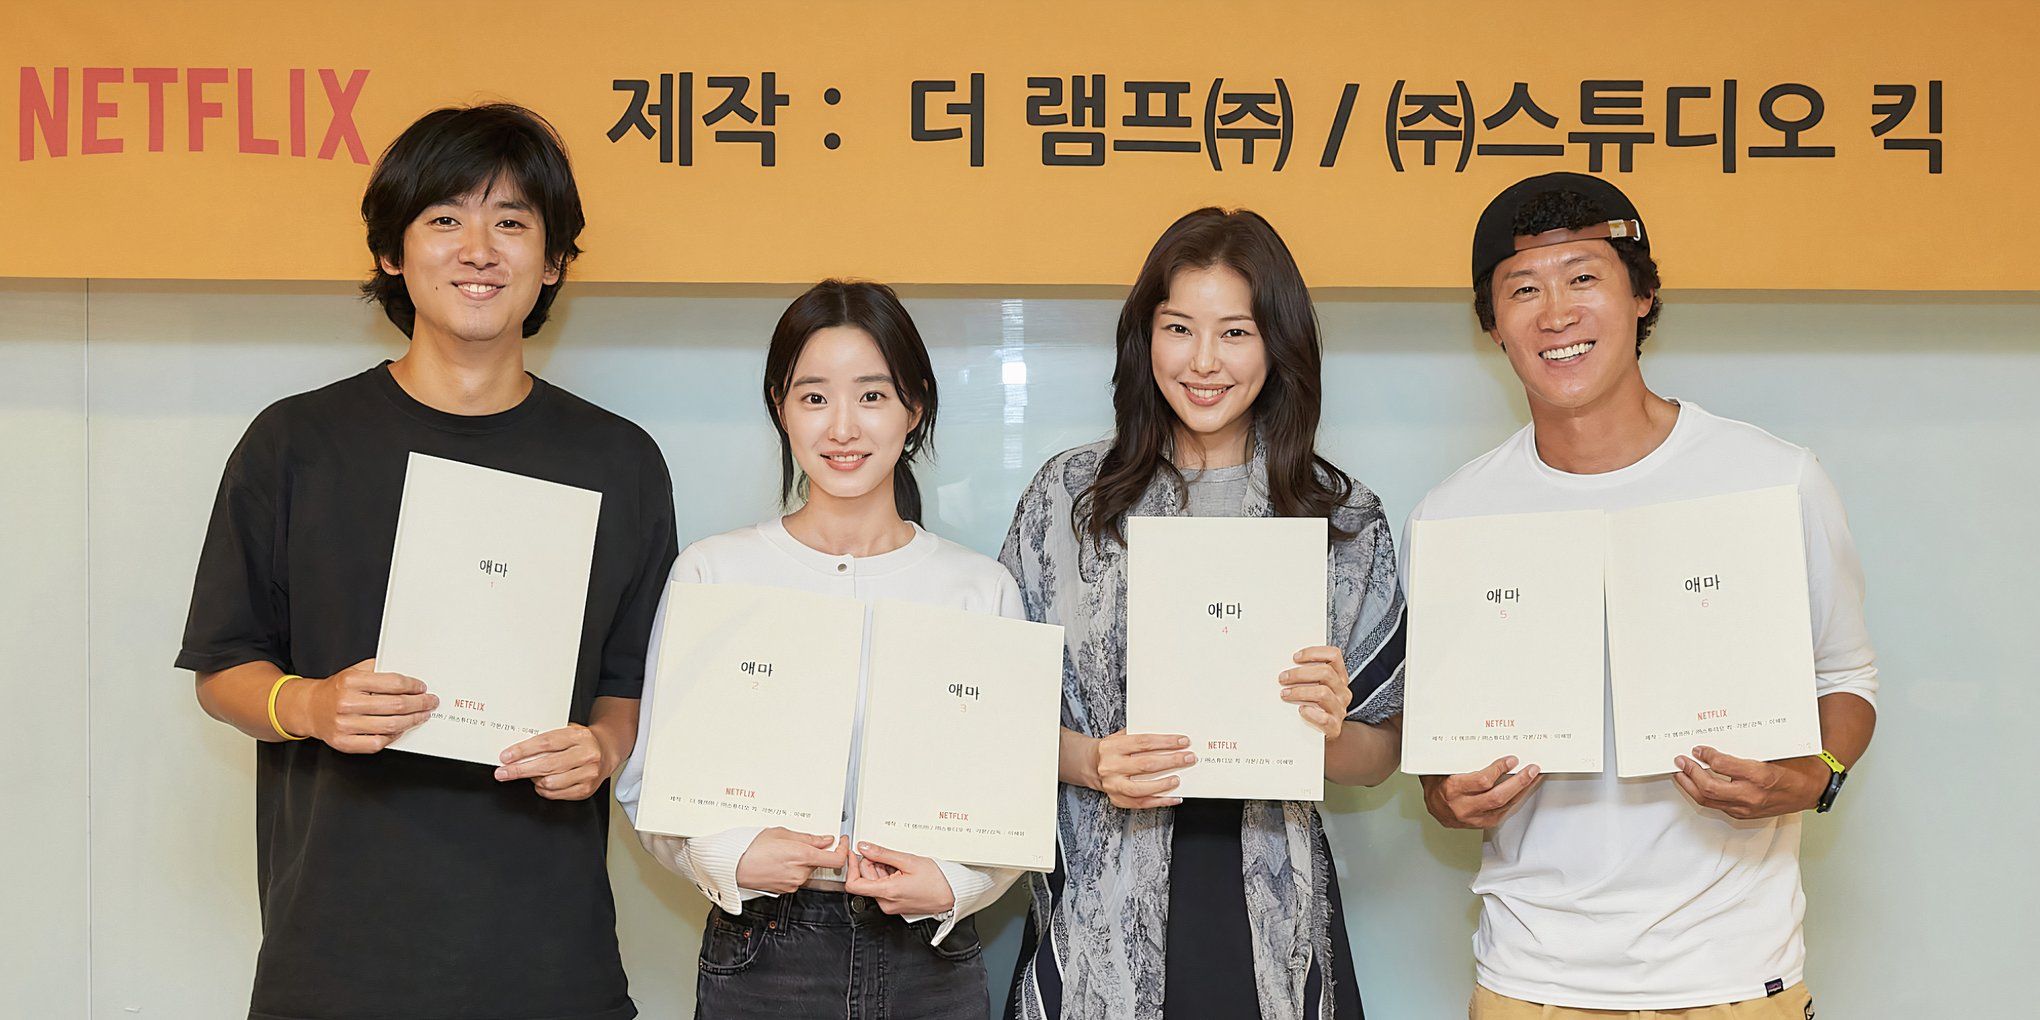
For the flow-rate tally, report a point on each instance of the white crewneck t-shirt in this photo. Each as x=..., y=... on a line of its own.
x=928, y=569
x=1607, y=893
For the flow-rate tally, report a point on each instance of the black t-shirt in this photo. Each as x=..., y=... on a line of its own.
x=397, y=886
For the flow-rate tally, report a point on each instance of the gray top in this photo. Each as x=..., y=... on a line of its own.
x=1217, y=492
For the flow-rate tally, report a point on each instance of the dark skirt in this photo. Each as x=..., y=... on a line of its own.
x=1211, y=965
x=1210, y=968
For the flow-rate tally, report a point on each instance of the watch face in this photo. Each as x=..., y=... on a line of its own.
x=1834, y=788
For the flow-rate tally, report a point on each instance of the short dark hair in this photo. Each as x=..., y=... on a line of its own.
x=875, y=309
x=1570, y=210
x=456, y=151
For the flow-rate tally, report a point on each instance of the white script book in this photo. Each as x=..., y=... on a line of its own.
x=1505, y=650
x=1216, y=608
x=1709, y=638
x=962, y=726
x=488, y=584
x=753, y=709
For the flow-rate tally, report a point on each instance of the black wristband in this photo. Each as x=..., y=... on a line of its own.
x=1834, y=789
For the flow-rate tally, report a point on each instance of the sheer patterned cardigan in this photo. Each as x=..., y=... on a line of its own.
x=1100, y=921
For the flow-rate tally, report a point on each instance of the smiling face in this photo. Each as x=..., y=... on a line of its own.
x=843, y=415
x=1210, y=361
x=1566, y=317
x=474, y=265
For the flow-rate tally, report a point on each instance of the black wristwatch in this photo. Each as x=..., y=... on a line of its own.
x=1835, y=781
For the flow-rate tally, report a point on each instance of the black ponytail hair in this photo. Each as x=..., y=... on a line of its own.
x=875, y=309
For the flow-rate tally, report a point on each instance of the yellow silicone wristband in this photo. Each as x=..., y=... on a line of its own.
x=275, y=689
x=1833, y=763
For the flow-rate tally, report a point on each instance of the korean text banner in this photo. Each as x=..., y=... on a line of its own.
x=1862, y=145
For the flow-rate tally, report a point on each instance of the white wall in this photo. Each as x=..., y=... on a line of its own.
x=120, y=401
x=43, y=879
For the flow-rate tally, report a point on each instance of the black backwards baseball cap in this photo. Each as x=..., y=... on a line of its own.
x=1495, y=239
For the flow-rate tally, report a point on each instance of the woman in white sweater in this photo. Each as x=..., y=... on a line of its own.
x=805, y=925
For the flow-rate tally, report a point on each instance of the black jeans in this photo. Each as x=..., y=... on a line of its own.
x=833, y=956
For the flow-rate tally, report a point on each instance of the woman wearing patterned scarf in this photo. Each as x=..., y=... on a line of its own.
x=1205, y=908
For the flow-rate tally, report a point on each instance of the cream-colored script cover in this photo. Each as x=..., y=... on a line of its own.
x=1216, y=607
x=488, y=583
x=753, y=709
x=962, y=722
x=1505, y=644
x=1709, y=639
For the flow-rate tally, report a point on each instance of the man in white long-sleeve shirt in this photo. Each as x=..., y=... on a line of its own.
x=1674, y=895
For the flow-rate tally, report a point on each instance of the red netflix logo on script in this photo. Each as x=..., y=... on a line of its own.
x=58, y=101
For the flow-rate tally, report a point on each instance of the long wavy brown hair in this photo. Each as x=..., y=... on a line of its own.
x=1285, y=413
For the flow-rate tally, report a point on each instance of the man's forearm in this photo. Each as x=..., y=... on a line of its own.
x=614, y=722
x=1846, y=723
x=239, y=697
x=1364, y=754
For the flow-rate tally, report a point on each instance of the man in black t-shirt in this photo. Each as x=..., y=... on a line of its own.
x=397, y=885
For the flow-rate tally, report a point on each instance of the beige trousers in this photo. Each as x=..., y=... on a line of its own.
x=1794, y=1003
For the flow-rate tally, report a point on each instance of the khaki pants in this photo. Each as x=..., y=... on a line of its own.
x=1794, y=1003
